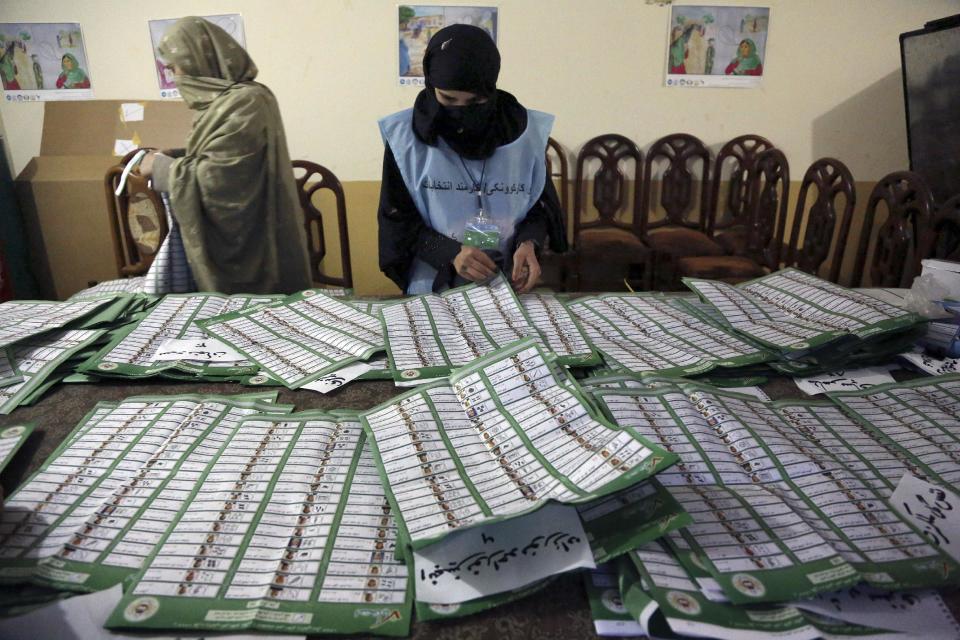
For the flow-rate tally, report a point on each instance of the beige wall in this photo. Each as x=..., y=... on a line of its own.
x=832, y=84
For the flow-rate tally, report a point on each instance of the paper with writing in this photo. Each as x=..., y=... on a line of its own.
x=502, y=556
x=931, y=365
x=335, y=380
x=197, y=350
x=935, y=510
x=844, y=380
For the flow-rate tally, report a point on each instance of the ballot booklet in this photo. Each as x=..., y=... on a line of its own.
x=300, y=338
x=793, y=311
x=646, y=333
x=21, y=319
x=288, y=531
x=430, y=335
x=11, y=439
x=791, y=498
x=137, y=350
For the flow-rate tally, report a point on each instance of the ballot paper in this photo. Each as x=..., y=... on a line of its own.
x=795, y=311
x=300, y=338
x=500, y=439
x=806, y=484
x=134, y=351
x=82, y=618
x=11, y=439
x=8, y=372
x=109, y=288
x=101, y=503
x=643, y=333
x=682, y=606
x=610, y=616
x=39, y=357
x=289, y=530
x=559, y=331
x=844, y=380
x=427, y=336
x=21, y=319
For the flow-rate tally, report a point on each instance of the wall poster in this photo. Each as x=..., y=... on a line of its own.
x=43, y=61
x=231, y=23
x=716, y=46
x=418, y=23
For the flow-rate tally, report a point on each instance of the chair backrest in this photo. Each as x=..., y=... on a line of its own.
x=895, y=258
x=740, y=154
x=314, y=178
x=559, y=170
x=682, y=153
x=942, y=238
x=818, y=222
x=614, y=152
x=138, y=221
x=768, y=217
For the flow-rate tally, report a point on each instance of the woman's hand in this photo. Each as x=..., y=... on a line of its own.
x=526, y=268
x=474, y=265
x=146, y=164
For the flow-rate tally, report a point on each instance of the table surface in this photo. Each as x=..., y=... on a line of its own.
x=560, y=610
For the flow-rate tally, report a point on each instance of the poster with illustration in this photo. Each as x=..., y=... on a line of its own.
x=418, y=23
x=231, y=23
x=717, y=46
x=43, y=61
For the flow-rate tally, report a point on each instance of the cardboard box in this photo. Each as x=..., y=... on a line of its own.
x=61, y=192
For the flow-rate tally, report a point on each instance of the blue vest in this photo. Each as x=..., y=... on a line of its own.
x=442, y=188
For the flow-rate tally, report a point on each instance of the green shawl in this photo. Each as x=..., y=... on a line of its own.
x=75, y=75
x=750, y=61
x=233, y=193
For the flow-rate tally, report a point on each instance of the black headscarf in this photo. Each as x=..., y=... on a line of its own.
x=464, y=58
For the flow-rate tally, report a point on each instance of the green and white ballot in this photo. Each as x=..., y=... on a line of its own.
x=788, y=498
x=430, y=335
x=300, y=338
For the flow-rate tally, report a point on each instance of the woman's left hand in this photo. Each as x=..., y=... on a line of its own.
x=526, y=268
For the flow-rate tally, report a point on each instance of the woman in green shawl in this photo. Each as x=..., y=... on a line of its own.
x=232, y=190
x=747, y=62
x=73, y=77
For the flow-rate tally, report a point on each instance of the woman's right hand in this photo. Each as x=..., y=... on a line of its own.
x=473, y=264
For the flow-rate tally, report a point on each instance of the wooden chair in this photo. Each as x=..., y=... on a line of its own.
x=608, y=249
x=942, y=238
x=554, y=266
x=728, y=222
x=818, y=222
x=895, y=257
x=677, y=234
x=138, y=221
x=314, y=178
x=768, y=219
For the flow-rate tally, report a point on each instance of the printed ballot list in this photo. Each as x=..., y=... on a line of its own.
x=228, y=513
x=501, y=438
x=792, y=498
x=138, y=351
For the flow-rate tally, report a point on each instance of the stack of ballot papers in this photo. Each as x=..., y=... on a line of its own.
x=796, y=529
x=812, y=325
x=42, y=342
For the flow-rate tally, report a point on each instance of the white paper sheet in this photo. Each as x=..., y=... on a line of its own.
x=933, y=509
x=844, y=380
x=337, y=379
x=904, y=611
x=123, y=147
x=502, y=556
x=931, y=365
x=197, y=349
x=82, y=618
x=131, y=111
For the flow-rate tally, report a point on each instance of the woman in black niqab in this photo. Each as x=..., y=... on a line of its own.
x=459, y=58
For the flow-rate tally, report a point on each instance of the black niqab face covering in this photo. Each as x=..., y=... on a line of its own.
x=464, y=58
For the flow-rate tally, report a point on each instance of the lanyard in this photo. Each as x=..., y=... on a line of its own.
x=477, y=185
